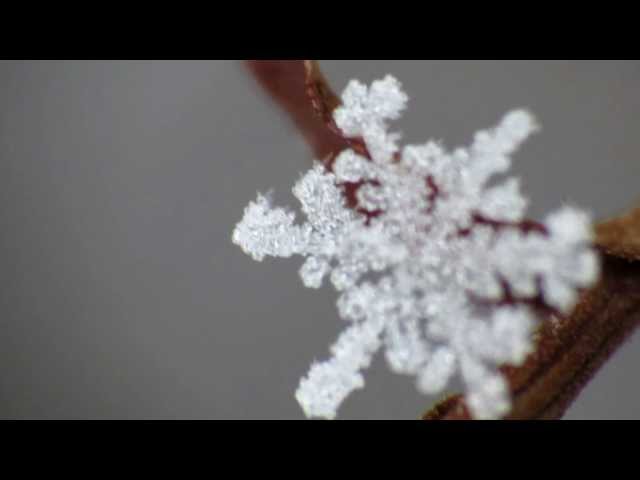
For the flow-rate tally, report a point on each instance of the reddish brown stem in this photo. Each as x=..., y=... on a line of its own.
x=570, y=349
x=299, y=88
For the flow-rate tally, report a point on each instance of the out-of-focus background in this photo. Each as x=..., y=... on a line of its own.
x=121, y=295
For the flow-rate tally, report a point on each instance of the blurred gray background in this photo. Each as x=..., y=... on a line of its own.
x=121, y=295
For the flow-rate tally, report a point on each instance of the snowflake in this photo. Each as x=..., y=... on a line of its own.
x=434, y=264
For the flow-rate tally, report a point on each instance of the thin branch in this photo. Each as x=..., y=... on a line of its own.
x=300, y=89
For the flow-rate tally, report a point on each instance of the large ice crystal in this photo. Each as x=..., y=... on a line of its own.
x=435, y=265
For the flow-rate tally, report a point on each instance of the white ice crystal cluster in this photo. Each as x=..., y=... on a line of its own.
x=420, y=275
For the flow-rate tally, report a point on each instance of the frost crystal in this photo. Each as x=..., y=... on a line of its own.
x=435, y=264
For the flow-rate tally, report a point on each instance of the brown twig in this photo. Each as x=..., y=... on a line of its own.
x=300, y=89
x=570, y=349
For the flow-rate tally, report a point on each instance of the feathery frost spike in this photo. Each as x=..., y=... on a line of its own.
x=422, y=278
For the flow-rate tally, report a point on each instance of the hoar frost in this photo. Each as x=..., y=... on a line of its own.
x=419, y=275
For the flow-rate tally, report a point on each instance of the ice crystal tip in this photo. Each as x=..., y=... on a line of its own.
x=423, y=278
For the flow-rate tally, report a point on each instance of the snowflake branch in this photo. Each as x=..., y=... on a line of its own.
x=570, y=348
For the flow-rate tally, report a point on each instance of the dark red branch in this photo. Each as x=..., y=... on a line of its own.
x=299, y=88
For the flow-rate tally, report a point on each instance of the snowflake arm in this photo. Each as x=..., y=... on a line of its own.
x=267, y=231
x=328, y=383
x=366, y=111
